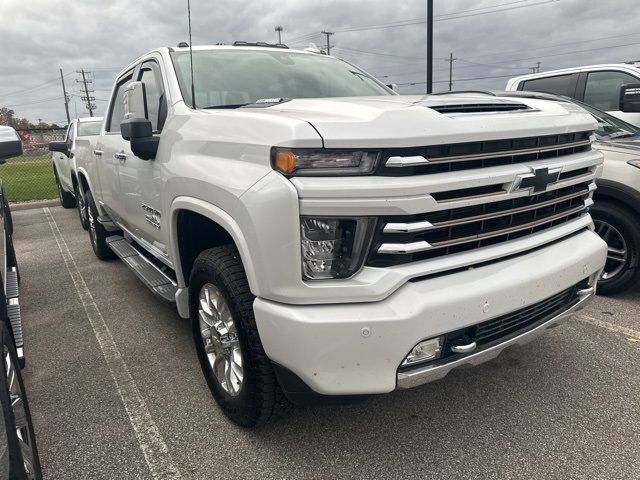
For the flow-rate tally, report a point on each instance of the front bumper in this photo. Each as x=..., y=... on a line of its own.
x=351, y=349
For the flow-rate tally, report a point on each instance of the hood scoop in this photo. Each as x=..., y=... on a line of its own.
x=458, y=107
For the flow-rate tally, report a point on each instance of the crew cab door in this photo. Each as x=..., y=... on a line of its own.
x=140, y=180
x=62, y=161
x=109, y=150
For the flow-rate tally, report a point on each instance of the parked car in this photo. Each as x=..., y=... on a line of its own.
x=616, y=213
x=18, y=450
x=595, y=85
x=76, y=149
x=328, y=238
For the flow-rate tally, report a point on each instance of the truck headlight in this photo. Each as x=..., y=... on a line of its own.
x=334, y=247
x=320, y=162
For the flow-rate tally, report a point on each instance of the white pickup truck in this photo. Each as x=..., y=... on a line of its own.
x=70, y=155
x=329, y=238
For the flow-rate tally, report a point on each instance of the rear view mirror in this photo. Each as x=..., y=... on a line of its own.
x=135, y=103
x=58, y=147
x=10, y=143
x=136, y=127
x=630, y=98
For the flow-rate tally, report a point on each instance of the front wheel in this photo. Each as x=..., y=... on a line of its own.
x=23, y=458
x=237, y=369
x=66, y=199
x=97, y=234
x=81, y=203
x=618, y=226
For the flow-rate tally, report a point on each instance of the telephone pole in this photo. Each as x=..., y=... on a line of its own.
x=451, y=60
x=66, y=99
x=328, y=34
x=430, y=46
x=279, y=30
x=88, y=99
x=535, y=68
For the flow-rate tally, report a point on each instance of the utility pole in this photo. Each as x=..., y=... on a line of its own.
x=535, y=68
x=88, y=99
x=328, y=34
x=279, y=30
x=538, y=67
x=66, y=99
x=451, y=60
x=430, y=46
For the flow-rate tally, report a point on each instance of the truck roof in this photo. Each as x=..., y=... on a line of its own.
x=633, y=65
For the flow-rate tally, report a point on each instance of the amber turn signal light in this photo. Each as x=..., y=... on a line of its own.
x=286, y=161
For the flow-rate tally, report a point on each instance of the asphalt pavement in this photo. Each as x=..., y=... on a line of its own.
x=116, y=392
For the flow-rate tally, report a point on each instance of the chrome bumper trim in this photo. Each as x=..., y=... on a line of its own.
x=430, y=373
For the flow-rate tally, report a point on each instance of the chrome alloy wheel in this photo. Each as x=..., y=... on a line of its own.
x=20, y=415
x=82, y=208
x=92, y=226
x=220, y=339
x=617, y=251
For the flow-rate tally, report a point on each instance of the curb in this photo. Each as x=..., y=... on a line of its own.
x=37, y=204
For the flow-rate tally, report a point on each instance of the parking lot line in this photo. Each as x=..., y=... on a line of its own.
x=609, y=326
x=151, y=443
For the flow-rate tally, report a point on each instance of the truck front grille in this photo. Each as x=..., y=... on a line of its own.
x=404, y=239
x=470, y=155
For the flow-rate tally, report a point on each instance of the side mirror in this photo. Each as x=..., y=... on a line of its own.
x=10, y=143
x=58, y=147
x=394, y=87
x=630, y=98
x=136, y=127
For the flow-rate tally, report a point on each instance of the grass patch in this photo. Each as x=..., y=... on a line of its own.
x=29, y=177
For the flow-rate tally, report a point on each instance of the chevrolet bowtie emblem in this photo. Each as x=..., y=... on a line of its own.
x=537, y=181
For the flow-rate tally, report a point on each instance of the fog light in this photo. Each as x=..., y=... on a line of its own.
x=424, y=351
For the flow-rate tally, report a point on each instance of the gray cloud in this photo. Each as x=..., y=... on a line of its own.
x=41, y=36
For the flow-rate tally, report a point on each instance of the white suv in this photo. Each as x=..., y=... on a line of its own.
x=596, y=85
x=327, y=237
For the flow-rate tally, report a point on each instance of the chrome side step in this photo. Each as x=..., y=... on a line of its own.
x=12, y=291
x=154, y=278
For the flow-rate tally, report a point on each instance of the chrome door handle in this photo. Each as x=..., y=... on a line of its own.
x=120, y=156
x=97, y=152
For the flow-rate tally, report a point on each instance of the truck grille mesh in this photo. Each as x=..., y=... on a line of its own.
x=403, y=239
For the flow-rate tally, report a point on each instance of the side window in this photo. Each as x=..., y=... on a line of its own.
x=117, y=105
x=559, y=85
x=603, y=89
x=150, y=75
x=68, y=138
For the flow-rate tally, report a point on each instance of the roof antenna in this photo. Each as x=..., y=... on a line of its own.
x=193, y=90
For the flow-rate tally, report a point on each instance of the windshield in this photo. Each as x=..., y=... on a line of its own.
x=231, y=78
x=610, y=127
x=86, y=129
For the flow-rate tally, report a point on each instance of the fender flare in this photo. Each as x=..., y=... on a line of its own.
x=218, y=216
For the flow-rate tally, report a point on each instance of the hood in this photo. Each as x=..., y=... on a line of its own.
x=414, y=120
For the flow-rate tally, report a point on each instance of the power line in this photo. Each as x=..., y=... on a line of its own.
x=458, y=80
x=37, y=87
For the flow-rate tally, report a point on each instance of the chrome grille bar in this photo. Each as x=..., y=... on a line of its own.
x=398, y=161
x=420, y=246
x=422, y=226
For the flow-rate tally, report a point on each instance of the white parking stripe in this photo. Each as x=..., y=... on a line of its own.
x=152, y=444
x=629, y=332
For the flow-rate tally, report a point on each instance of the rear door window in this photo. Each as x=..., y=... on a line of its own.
x=603, y=89
x=558, y=85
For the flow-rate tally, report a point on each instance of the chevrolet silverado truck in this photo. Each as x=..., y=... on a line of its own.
x=328, y=238
x=73, y=153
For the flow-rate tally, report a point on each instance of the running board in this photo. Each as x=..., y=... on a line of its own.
x=13, y=312
x=154, y=278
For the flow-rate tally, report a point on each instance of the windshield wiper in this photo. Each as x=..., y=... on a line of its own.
x=616, y=135
x=237, y=105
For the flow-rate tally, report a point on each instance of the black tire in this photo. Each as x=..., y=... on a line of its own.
x=23, y=439
x=623, y=273
x=97, y=234
x=81, y=203
x=260, y=397
x=67, y=200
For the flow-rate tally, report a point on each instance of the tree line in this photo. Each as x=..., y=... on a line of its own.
x=9, y=118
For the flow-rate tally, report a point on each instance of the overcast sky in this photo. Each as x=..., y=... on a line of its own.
x=489, y=38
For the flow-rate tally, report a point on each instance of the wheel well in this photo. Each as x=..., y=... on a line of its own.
x=82, y=181
x=197, y=233
x=603, y=196
x=74, y=181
